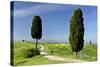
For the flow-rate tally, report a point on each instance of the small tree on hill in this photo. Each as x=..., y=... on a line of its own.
x=76, y=36
x=23, y=40
x=36, y=29
x=90, y=42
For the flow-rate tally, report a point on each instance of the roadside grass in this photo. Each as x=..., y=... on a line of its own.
x=59, y=50
x=88, y=53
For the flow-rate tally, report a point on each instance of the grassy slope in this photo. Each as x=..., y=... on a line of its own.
x=89, y=52
x=21, y=50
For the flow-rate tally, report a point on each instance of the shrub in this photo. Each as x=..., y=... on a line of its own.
x=29, y=53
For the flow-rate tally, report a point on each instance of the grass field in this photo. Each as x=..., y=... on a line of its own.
x=22, y=50
x=23, y=53
x=89, y=52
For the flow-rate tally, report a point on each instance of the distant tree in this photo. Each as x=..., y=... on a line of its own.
x=76, y=36
x=90, y=42
x=23, y=40
x=36, y=29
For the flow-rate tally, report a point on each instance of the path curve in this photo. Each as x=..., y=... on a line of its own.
x=57, y=58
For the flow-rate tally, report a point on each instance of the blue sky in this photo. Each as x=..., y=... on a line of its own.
x=55, y=20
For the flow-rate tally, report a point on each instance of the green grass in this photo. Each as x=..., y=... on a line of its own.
x=59, y=49
x=24, y=53
x=22, y=49
x=88, y=53
x=38, y=60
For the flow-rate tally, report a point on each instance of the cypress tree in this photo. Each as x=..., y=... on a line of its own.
x=76, y=36
x=90, y=42
x=36, y=29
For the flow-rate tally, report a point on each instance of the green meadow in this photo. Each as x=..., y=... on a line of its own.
x=24, y=53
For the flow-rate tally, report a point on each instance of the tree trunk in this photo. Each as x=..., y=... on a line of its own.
x=76, y=54
x=36, y=45
x=73, y=55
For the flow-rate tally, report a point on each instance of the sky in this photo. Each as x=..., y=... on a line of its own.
x=55, y=20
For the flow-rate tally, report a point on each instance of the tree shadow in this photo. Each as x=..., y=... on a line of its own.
x=31, y=53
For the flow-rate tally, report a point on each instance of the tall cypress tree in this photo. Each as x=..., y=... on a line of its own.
x=76, y=36
x=36, y=29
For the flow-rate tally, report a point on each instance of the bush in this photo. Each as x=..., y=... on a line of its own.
x=51, y=52
x=31, y=52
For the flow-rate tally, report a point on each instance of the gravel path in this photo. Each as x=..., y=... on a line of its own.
x=57, y=58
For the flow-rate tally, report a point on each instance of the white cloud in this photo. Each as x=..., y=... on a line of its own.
x=38, y=9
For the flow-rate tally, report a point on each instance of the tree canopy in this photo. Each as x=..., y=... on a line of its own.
x=76, y=35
